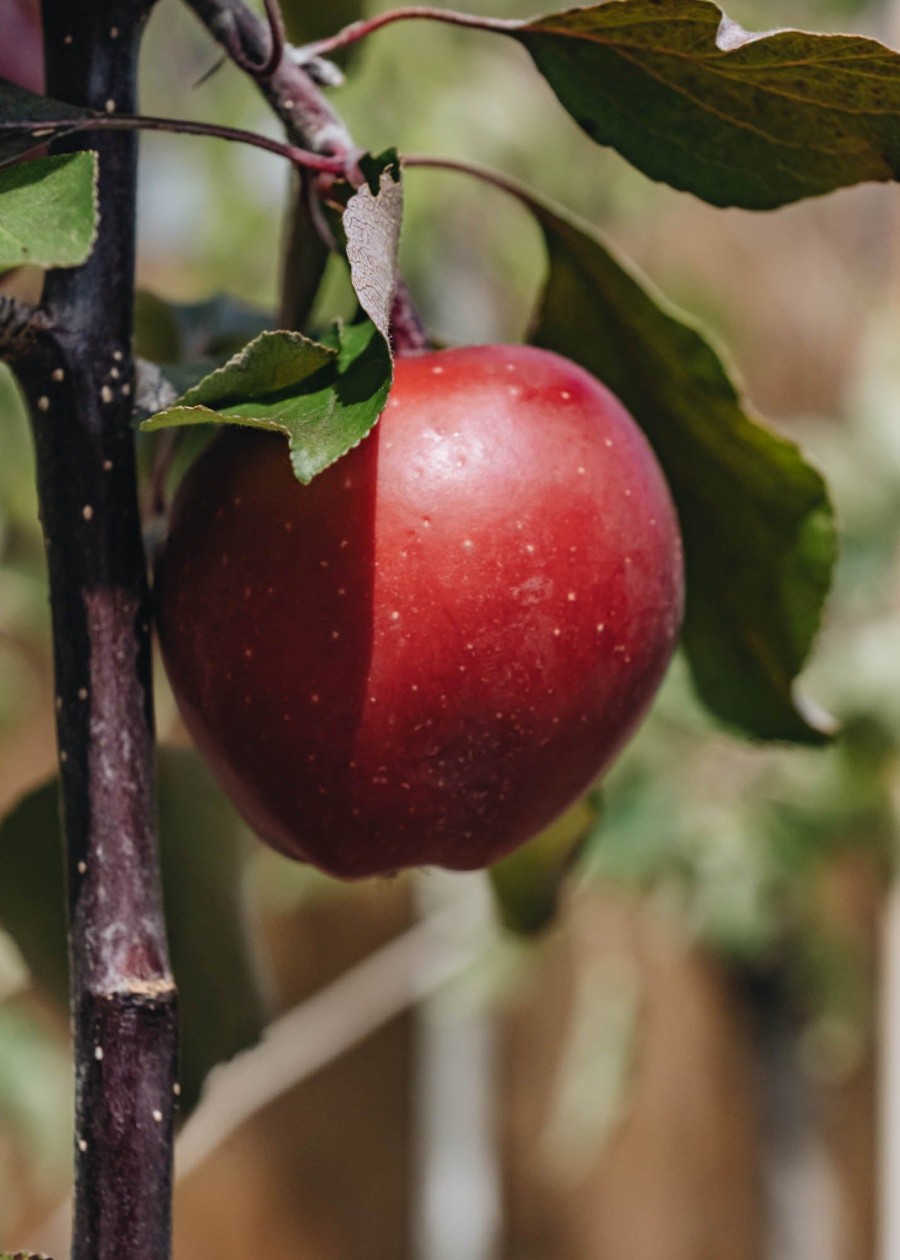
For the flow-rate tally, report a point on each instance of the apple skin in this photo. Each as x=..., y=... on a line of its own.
x=21, y=44
x=426, y=655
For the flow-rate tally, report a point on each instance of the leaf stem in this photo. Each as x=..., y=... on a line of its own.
x=304, y=158
x=486, y=174
x=367, y=26
x=408, y=332
x=298, y=156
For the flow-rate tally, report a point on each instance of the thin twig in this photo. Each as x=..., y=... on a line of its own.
x=183, y=126
x=262, y=70
x=325, y=1026
x=416, y=12
x=486, y=174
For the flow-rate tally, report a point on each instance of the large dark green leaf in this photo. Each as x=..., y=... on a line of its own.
x=325, y=399
x=48, y=211
x=757, y=524
x=32, y=890
x=213, y=954
x=28, y=120
x=211, y=934
x=690, y=98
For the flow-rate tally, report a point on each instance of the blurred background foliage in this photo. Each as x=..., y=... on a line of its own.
x=768, y=868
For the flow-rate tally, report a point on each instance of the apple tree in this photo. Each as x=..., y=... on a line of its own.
x=621, y=417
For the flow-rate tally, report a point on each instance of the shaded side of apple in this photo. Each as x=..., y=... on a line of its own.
x=21, y=44
x=424, y=656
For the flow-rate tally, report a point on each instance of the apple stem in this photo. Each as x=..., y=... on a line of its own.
x=408, y=332
x=74, y=364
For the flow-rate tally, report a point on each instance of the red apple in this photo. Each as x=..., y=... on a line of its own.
x=425, y=655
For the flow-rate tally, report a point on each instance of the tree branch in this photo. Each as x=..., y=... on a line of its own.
x=307, y=116
x=310, y=122
x=74, y=364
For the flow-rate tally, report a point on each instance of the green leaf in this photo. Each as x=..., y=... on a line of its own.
x=176, y=332
x=32, y=891
x=692, y=99
x=271, y=364
x=28, y=120
x=213, y=955
x=527, y=884
x=325, y=399
x=48, y=211
x=22, y=1255
x=757, y=524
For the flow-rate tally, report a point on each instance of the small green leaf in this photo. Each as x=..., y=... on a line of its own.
x=324, y=399
x=273, y=363
x=213, y=954
x=528, y=883
x=692, y=99
x=48, y=211
x=757, y=524
x=28, y=120
x=22, y=1255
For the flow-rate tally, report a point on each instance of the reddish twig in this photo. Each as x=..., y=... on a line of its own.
x=304, y=158
x=416, y=12
x=267, y=67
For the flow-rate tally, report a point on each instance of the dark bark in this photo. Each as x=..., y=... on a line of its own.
x=76, y=370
